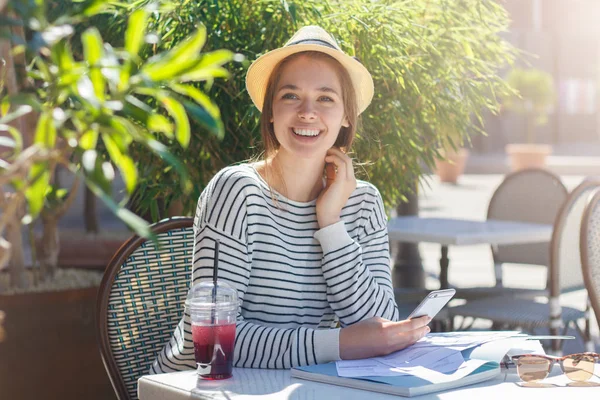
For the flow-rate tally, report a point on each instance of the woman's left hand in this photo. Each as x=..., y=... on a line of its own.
x=338, y=188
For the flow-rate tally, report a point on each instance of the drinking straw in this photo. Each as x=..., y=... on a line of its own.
x=215, y=276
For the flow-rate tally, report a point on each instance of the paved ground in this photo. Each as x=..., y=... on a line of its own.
x=473, y=265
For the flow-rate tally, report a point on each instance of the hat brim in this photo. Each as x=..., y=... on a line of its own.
x=259, y=72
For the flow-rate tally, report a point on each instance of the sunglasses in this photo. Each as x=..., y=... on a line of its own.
x=577, y=367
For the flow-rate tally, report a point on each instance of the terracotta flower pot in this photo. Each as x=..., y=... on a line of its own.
x=453, y=166
x=524, y=156
x=78, y=249
x=49, y=349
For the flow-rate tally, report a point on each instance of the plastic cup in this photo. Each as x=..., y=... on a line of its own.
x=213, y=312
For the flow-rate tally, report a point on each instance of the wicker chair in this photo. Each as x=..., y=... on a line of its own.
x=517, y=198
x=140, y=301
x=564, y=276
x=590, y=253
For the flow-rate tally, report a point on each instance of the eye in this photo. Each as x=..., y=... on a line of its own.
x=289, y=96
x=325, y=99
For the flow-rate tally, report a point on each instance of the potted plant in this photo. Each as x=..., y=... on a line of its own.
x=533, y=98
x=451, y=158
x=82, y=111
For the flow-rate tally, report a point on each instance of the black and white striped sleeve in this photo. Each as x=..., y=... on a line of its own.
x=357, y=273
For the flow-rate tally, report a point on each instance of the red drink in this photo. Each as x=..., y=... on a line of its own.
x=213, y=348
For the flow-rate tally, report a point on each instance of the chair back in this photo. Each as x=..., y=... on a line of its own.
x=140, y=301
x=590, y=252
x=565, y=259
x=531, y=195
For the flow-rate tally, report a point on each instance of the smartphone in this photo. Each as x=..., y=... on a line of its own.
x=433, y=303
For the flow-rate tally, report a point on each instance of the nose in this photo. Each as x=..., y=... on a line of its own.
x=306, y=111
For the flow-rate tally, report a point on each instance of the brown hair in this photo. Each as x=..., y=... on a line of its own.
x=346, y=134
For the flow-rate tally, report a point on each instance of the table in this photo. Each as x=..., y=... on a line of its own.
x=451, y=231
x=249, y=384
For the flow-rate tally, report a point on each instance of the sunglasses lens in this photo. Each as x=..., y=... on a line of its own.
x=532, y=368
x=578, y=367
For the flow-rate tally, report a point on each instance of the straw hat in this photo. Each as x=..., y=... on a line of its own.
x=309, y=38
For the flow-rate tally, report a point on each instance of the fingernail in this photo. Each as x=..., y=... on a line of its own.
x=428, y=330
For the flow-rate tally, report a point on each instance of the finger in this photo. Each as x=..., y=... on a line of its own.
x=329, y=173
x=339, y=163
x=410, y=324
x=347, y=160
x=405, y=339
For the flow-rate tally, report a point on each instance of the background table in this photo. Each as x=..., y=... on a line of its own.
x=451, y=231
x=249, y=384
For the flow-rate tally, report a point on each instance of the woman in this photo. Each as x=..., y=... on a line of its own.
x=306, y=250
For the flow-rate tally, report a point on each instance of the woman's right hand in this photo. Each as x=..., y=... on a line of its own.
x=377, y=336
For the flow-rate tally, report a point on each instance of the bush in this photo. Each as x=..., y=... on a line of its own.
x=434, y=63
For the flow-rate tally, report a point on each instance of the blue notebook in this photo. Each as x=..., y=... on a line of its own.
x=487, y=356
x=406, y=386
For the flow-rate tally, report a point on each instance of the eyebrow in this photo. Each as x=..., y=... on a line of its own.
x=325, y=89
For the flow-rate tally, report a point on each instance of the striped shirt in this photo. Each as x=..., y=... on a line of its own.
x=295, y=281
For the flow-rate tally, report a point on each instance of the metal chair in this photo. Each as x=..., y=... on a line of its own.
x=140, y=301
x=590, y=253
x=531, y=195
x=564, y=276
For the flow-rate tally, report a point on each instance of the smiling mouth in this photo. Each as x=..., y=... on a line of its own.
x=306, y=132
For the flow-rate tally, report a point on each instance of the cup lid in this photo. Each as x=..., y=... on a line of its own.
x=204, y=295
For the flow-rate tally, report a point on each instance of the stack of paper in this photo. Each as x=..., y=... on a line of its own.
x=438, y=357
x=439, y=361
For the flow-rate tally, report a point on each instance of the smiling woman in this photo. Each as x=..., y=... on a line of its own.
x=302, y=240
x=332, y=88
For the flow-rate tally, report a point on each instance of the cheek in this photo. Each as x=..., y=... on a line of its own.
x=335, y=115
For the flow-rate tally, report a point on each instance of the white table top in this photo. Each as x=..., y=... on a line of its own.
x=450, y=231
x=247, y=384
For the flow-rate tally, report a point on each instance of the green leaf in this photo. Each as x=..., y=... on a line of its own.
x=45, y=132
x=203, y=74
x=137, y=109
x=20, y=99
x=215, y=58
x=468, y=49
x=89, y=140
x=177, y=111
x=159, y=123
x=123, y=162
x=207, y=114
x=136, y=223
x=127, y=132
x=95, y=7
x=62, y=56
x=39, y=180
x=134, y=36
x=162, y=151
x=93, y=52
x=178, y=59
x=200, y=115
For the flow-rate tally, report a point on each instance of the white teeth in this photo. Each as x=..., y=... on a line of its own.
x=306, y=132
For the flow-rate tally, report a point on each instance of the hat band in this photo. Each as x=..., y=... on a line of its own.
x=314, y=41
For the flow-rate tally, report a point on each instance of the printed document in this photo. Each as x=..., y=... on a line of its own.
x=436, y=357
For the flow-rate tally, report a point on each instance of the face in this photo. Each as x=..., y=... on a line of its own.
x=308, y=109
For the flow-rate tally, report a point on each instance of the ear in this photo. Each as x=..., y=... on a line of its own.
x=345, y=122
